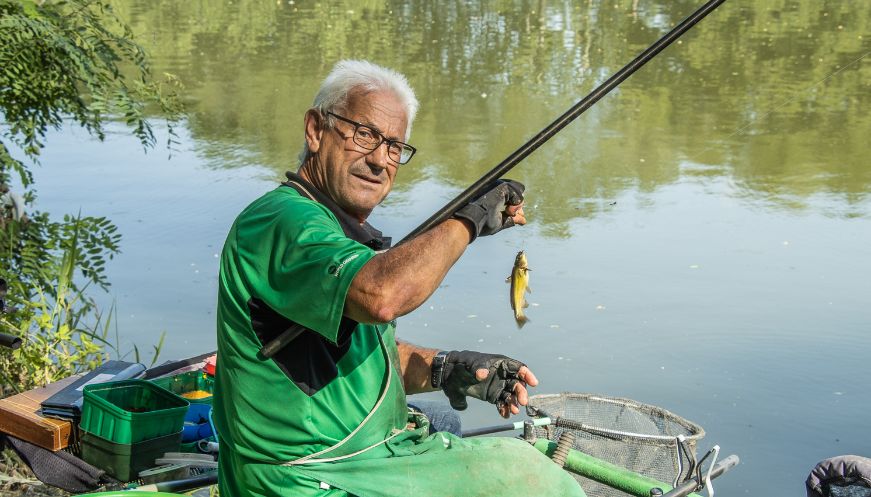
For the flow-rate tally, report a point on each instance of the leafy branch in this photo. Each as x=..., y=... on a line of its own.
x=72, y=59
x=65, y=61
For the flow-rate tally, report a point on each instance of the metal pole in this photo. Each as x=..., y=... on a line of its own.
x=11, y=341
x=474, y=432
x=273, y=346
x=180, y=486
x=690, y=486
x=579, y=108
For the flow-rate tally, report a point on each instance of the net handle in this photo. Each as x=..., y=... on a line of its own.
x=571, y=424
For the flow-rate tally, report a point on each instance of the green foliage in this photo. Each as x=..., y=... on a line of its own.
x=55, y=345
x=67, y=60
x=61, y=329
x=28, y=251
x=64, y=61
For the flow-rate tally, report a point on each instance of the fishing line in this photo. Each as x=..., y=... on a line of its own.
x=782, y=104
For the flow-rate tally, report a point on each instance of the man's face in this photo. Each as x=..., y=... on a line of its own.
x=355, y=178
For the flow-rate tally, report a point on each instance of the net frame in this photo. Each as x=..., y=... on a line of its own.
x=640, y=437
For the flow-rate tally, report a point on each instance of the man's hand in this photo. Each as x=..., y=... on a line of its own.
x=494, y=378
x=499, y=208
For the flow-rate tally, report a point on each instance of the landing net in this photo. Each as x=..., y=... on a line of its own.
x=639, y=437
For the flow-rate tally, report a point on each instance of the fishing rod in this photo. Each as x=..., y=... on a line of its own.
x=179, y=486
x=273, y=346
x=561, y=122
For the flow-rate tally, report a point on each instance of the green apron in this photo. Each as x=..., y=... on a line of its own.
x=385, y=459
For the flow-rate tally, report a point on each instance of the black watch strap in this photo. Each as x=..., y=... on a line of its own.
x=437, y=370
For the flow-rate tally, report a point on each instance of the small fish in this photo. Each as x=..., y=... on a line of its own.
x=519, y=280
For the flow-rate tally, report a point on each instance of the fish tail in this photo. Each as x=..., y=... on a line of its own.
x=521, y=319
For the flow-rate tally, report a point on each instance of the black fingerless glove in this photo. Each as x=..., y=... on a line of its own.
x=487, y=212
x=457, y=377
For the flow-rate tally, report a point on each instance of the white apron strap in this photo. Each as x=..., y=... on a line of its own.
x=316, y=457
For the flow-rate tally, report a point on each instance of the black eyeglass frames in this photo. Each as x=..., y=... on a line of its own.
x=370, y=139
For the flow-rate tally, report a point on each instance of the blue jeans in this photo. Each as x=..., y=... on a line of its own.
x=440, y=414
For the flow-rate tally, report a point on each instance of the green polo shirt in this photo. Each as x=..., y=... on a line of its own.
x=286, y=260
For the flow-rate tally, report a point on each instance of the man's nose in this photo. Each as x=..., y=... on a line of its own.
x=379, y=157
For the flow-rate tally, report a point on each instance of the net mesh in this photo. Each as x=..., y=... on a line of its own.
x=639, y=437
x=856, y=490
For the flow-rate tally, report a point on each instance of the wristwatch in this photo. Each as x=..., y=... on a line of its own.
x=438, y=369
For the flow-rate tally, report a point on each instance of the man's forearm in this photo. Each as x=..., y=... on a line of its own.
x=396, y=282
x=415, y=363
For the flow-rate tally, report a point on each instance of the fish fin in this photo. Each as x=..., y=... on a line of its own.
x=525, y=304
x=508, y=279
x=528, y=290
x=521, y=320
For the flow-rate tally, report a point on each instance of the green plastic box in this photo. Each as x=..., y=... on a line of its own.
x=131, y=411
x=187, y=383
x=124, y=461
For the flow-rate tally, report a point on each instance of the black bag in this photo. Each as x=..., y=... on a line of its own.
x=840, y=476
x=58, y=469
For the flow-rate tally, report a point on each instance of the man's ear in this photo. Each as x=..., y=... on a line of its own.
x=314, y=129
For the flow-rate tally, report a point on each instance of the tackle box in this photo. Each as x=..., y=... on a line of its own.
x=131, y=411
x=124, y=461
x=194, y=386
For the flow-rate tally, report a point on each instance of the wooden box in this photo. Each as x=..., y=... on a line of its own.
x=19, y=417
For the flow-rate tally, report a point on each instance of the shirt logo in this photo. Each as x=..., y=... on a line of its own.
x=336, y=270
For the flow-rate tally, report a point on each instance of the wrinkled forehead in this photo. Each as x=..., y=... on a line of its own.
x=380, y=109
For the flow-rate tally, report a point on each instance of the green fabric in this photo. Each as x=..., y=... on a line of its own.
x=291, y=253
x=414, y=464
x=445, y=465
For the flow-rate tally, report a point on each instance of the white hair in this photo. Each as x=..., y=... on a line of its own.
x=348, y=76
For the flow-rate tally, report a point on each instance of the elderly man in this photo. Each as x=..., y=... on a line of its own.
x=328, y=415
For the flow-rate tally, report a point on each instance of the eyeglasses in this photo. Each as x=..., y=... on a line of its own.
x=370, y=139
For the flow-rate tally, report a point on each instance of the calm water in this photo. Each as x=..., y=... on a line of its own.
x=699, y=239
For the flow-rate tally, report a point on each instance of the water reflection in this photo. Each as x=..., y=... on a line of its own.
x=771, y=96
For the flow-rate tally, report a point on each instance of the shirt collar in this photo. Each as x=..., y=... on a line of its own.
x=363, y=233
